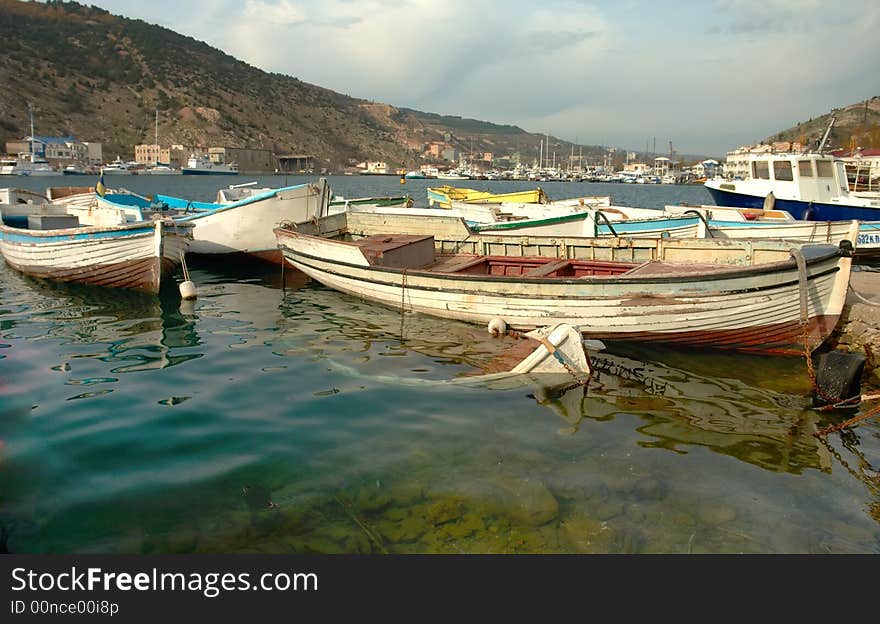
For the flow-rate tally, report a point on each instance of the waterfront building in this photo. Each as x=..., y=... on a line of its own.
x=151, y=154
x=296, y=163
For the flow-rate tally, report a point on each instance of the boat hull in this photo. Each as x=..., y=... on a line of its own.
x=137, y=257
x=204, y=172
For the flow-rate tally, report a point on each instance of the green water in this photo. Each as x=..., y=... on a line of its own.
x=131, y=425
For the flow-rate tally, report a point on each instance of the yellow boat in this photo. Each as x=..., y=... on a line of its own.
x=443, y=195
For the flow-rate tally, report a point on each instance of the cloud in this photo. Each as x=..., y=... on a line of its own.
x=280, y=12
x=706, y=76
x=778, y=16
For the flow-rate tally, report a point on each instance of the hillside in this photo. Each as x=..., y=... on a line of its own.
x=101, y=78
x=856, y=125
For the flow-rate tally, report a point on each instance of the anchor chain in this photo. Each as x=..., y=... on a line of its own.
x=580, y=378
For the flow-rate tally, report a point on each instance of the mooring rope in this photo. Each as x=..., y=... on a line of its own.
x=402, y=302
x=862, y=299
x=833, y=402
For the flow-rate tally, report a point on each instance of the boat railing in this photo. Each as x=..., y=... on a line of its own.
x=701, y=217
x=604, y=217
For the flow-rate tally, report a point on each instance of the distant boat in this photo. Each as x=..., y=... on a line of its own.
x=415, y=175
x=162, y=170
x=31, y=165
x=813, y=187
x=202, y=165
x=139, y=256
x=73, y=170
x=7, y=165
x=444, y=195
x=741, y=295
x=117, y=167
x=452, y=176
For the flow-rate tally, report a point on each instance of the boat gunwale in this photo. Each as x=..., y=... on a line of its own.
x=552, y=281
x=146, y=226
x=724, y=272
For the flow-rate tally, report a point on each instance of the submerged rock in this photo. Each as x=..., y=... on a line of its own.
x=714, y=514
x=650, y=489
x=585, y=535
x=443, y=511
x=408, y=530
x=609, y=509
x=372, y=499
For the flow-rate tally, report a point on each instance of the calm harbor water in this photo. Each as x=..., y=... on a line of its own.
x=138, y=424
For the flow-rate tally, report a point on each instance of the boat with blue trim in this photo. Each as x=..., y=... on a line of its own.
x=240, y=227
x=53, y=245
x=812, y=187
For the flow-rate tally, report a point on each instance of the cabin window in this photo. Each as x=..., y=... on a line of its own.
x=805, y=169
x=782, y=170
x=823, y=169
x=761, y=170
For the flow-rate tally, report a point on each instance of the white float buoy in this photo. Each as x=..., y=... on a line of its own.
x=188, y=290
x=497, y=327
x=187, y=287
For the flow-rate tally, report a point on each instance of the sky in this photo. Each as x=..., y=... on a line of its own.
x=707, y=75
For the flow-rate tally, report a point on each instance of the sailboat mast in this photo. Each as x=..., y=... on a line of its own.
x=31, y=115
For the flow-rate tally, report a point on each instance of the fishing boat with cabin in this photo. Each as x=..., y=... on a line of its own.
x=812, y=187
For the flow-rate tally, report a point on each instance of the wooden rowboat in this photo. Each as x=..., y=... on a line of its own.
x=745, y=294
x=241, y=227
x=444, y=195
x=137, y=255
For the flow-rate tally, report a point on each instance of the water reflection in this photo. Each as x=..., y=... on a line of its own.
x=769, y=426
x=139, y=331
x=679, y=409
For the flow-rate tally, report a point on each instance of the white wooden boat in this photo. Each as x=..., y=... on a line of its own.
x=242, y=227
x=732, y=294
x=136, y=255
x=669, y=222
x=549, y=220
x=238, y=192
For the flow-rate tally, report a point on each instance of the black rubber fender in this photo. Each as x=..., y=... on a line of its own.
x=839, y=375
